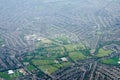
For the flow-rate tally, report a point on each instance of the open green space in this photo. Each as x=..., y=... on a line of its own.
x=48, y=69
x=111, y=61
x=53, y=67
x=63, y=64
x=77, y=56
x=51, y=52
x=30, y=67
x=4, y=75
x=73, y=47
x=42, y=62
x=63, y=39
x=102, y=52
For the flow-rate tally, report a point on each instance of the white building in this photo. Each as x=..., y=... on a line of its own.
x=10, y=71
x=64, y=59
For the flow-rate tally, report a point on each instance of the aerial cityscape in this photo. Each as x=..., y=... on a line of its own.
x=59, y=39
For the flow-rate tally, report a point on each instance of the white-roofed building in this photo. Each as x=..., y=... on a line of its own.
x=10, y=71
x=64, y=59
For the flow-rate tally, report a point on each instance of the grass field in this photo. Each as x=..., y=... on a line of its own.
x=77, y=56
x=102, y=52
x=53, y=67
x=42, y=62
x=63, y=39
x=111, y=61
x=30, y=67
x=73, y=47
x=48, y=69
x=4, y=75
